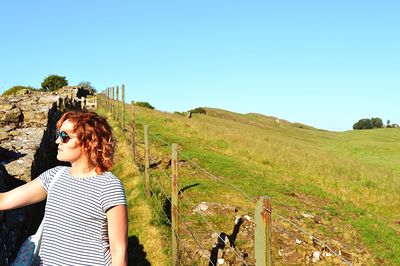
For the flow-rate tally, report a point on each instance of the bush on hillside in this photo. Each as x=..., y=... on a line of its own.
x=144, y=104
x=377, y=122
x=18, y=90
x=198, y=110
x=367, y=123
x=54, y=82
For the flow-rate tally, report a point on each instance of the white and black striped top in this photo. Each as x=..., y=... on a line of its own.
x=75, y=226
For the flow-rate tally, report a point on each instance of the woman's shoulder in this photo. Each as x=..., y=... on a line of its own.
x=47, y=176
x=54, y=170
x=110, y=177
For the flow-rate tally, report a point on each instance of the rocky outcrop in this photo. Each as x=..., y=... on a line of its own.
x=27, y=148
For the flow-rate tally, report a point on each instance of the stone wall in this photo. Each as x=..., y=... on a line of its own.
x=27, y=148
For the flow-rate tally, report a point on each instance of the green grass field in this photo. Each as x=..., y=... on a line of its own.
x=349, y=180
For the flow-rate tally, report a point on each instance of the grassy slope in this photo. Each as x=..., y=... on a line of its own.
x=350, y=179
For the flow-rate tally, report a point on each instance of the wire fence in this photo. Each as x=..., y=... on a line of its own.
x=344, y=260
x=140, y=140
x=214, y=231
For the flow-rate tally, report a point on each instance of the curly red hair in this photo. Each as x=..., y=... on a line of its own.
x=95, y=135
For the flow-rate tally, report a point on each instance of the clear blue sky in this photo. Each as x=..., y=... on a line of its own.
x=322, y=63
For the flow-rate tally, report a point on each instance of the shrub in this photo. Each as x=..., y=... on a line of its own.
x=364, y=123
x=198, y=110
x=367, y=123
x=18, y=90
x=377, y=122
x=144, y=104
x=53, y=82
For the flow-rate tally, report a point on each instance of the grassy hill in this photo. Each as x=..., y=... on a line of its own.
x=340, y=187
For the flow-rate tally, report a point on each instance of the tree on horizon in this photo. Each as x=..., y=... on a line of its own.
x=54, y=82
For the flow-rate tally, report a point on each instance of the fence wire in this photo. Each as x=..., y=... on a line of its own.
x=245, y=195
x=204, y=218
x=183, y=221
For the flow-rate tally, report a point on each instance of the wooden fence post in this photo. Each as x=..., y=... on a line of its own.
x=107, y=95
x=146, y=159
x=112, y=103
x=123, y=107
x=175, y=205
x=263, y=232
x=133, y=133
x=109, y=100
x=117, y=105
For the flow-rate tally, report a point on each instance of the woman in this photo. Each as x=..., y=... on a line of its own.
x=86, y=216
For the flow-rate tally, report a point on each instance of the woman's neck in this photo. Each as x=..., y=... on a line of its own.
x=82, y=169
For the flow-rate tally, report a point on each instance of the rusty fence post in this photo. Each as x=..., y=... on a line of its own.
x=175, y=205
x=263, y=232
x=146, y=159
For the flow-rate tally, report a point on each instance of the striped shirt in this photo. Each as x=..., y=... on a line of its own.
x=75, y=226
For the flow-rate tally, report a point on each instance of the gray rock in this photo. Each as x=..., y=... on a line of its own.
x=11, y=116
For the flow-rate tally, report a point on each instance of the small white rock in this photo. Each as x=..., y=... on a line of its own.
x=316, y=256
x=20, y=161
x=221, y=261
x=298, y=242
x=327, y=254
x=201, y=207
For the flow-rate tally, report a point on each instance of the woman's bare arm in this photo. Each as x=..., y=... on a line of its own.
x=24, y=195
x=118, y=234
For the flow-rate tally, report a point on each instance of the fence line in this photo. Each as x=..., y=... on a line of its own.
x=249, y=198
x=239, y=190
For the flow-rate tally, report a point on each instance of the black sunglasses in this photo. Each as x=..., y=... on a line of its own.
x=63, y=136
